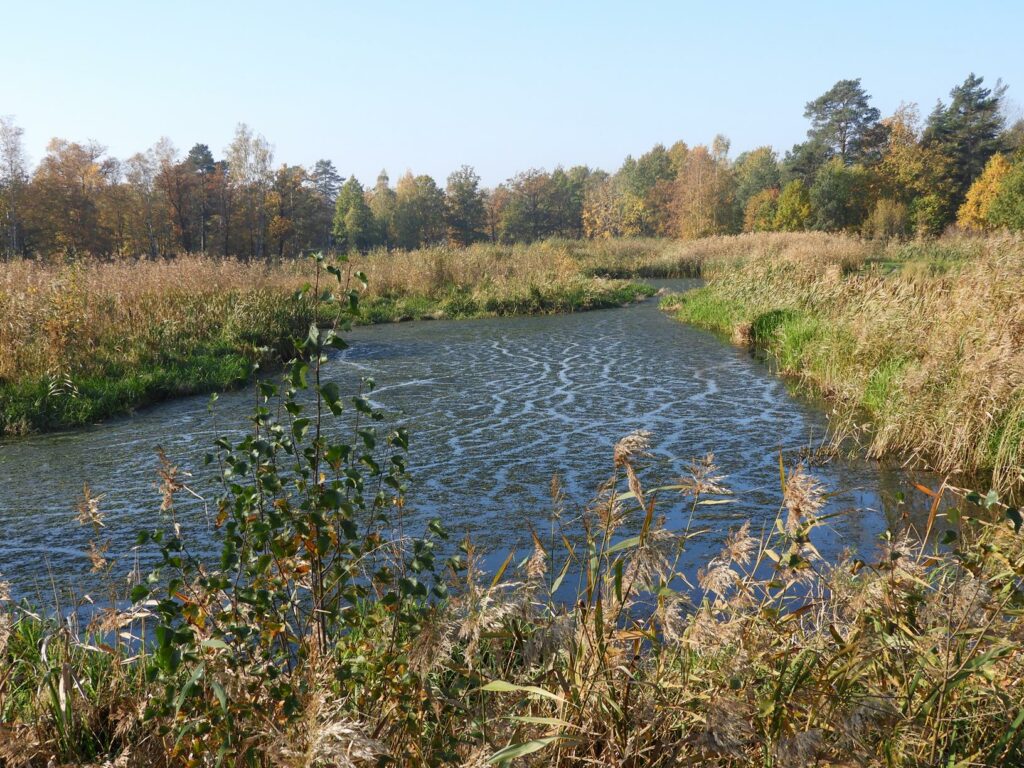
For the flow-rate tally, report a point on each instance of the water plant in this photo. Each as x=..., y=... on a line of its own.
x=328, y=633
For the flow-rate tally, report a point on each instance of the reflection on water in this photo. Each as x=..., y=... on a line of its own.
x=494, y=407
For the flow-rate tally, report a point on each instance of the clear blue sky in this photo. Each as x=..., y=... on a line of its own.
x=500, y=86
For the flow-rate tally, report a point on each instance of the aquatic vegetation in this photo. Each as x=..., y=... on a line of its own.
x=917, y=346
x=328, y=633
x=83, y=340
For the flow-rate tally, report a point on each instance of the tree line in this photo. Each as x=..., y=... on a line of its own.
x=856, y=171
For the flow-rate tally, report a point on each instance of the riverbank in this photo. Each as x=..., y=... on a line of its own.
x=918, y=347
x=83, y=341
x=321, y=637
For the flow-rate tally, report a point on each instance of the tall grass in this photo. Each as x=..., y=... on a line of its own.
x=773, y=657
x=320, y=639
x=80, y=341
x=918, y=346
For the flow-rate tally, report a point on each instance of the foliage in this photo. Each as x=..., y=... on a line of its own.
x=158, y=204
x=793, y=212
x=761, y=210
x=974, y=213
x=1007, y=206
x=755, y=172
x=888, y=219
x=839, y=196
x=704, y=198
x=967, y=133
x=465, y=207
x=353, y=227
x=843, y=122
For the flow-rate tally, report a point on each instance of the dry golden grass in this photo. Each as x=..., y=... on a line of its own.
x=774, y=657
x=80, y=341
x=920, y=346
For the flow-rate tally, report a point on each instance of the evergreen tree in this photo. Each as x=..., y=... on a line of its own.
x=967, y=132
x=843, y=121
x=464, y=207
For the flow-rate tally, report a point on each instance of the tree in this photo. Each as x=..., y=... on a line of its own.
x=843, y=121
x=704, y=199
x=839, y=196
x=249, y=161
x=794, y=210
x=602, y=211
x=179, y=186
x=755, y=171
x=325, y=181
x=529, y=213
x=353, y=221
x=293, y=202
x=464, y=207
x=1007, y=207
x=419, y=212
x=1012, y=139
x=67, y=188
x=974, y=213
x=382, y=205
x=912, y=174
x=967, y=133
x=13, y=179
x=760, y=211
x=201, y=164
x=565, y=200
x=494, y=204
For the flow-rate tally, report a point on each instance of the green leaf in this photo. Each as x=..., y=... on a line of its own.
x=331, y=394
x=222, y=697
x=518, y=750
x=299, y=372
x=632, y=541
x=183, y=694
x=501, y=686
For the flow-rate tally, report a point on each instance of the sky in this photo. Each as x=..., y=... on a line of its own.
x=500, y=86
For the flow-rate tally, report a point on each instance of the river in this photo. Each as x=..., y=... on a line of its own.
x=494, y=407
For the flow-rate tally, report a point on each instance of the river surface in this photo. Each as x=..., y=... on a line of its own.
x=494, y=407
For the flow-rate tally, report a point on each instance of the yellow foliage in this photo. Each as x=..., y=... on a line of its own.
x=973, y=214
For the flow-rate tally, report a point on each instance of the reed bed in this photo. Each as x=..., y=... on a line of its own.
x=918, y=347
x=80, y=341
x=329, y=633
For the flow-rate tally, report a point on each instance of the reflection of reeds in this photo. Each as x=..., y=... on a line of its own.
x=914, y=659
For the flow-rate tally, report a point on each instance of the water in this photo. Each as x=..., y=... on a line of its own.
x=494, y=408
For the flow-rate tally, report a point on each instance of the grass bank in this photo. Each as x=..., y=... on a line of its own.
x=83, y=341
x=919, y=346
